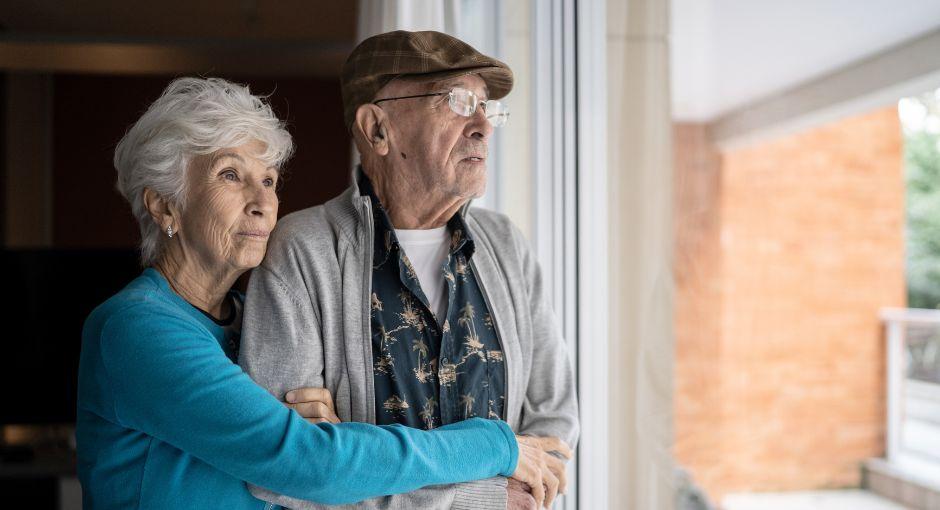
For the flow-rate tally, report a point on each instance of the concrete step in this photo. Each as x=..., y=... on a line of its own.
x=912, y=482
x=849, y=499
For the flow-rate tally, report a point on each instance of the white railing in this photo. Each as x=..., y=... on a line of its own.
x=913, y=380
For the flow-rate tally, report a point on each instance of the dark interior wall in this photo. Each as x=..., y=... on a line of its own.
x=3, y=159
x=93, y=234
x=92, y=112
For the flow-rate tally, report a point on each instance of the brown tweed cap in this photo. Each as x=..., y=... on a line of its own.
x=384, y=57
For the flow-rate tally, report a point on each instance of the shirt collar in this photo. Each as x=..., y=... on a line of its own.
x=385, y=239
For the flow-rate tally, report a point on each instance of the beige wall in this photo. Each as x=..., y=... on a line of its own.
x=785, y=252
x=640, y=314
x=516, y=177
x=697, y=303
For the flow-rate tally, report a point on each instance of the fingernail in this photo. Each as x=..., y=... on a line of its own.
x=290, y=396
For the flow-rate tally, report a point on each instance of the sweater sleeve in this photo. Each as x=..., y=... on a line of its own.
x=173, y=381
x=487, y=494
x=551, y=404
x=281, y=348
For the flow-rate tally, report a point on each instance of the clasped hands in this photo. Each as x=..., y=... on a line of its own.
x=539, y=475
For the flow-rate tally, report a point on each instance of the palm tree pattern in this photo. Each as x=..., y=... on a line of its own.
x=430, y=372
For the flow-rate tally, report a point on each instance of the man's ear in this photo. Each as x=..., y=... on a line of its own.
x=162, y=212
x=372, y=126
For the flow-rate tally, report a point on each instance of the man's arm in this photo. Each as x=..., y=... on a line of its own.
x=281, y=350
x=551, y=405
x=489, y=493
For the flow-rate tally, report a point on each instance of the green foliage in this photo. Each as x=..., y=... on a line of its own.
x=922, y=175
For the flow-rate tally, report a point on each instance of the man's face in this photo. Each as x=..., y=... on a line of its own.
x=435, y=149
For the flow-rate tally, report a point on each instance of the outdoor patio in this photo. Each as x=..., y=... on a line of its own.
x=854, y=499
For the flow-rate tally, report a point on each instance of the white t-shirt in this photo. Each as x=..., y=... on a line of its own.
x=427, y=250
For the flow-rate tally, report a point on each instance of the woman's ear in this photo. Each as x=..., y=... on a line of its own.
x=160, y=210
x=371, y=125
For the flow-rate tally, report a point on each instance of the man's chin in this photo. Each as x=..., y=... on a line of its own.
x=475, y=184
x=474, y=191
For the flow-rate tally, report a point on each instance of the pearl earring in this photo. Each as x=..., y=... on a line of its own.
x=169, y=231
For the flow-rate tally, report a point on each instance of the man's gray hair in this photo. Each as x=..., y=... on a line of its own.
x=193, y=116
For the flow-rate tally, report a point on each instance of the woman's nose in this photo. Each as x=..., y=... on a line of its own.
x=263, y=201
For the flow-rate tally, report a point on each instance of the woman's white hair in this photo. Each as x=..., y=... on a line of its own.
x=193, y=116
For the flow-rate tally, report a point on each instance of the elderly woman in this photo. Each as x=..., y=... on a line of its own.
x=166, y=419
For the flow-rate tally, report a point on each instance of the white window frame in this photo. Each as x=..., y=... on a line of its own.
x=569, y=182
x=593, y=264
x=570, y=221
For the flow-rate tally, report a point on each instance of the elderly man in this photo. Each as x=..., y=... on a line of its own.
x=402, y=302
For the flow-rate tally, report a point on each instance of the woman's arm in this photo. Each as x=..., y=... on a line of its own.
x=174, y=382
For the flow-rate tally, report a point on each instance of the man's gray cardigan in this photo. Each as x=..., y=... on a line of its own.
x=307, y=324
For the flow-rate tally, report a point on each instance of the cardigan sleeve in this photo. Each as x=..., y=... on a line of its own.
x=551, y=405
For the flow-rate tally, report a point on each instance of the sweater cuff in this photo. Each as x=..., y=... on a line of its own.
x=513, y=447
x=486, y=494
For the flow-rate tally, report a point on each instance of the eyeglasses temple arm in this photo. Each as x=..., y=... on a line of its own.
x=377, y=101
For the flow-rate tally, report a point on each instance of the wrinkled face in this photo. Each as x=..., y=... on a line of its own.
x=231, y=207
x=445, y=152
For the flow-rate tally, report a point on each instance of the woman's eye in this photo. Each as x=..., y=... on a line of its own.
x=229, y=175
x=269, y=182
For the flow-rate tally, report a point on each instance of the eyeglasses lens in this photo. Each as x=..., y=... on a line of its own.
x=496, y=112
x=464, y=102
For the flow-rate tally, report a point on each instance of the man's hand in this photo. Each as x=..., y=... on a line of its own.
x=532, y=469
x=314, y=404
x=556, y=465
x=518, y=497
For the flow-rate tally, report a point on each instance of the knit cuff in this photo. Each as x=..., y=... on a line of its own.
x=486, y=494
x=513, y=446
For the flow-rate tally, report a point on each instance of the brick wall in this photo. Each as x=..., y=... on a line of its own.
x=698, y=303
x=785, y=251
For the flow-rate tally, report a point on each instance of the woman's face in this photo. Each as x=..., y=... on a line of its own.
x=231, y=208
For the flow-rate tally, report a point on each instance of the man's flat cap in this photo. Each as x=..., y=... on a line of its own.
x=436, y=56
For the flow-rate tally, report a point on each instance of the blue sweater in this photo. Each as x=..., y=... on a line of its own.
x=167, y=420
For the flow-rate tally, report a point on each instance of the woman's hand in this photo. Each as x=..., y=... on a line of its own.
x=314, y=404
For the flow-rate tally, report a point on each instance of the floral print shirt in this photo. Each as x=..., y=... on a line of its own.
x=430, y=372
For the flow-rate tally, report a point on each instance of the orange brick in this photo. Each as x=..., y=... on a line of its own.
x=785, y=251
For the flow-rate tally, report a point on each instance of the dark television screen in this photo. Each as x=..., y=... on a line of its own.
x=47, y=296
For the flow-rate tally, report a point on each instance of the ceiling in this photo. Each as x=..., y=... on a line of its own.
x=230, y=37
x=730, y=53
x=725, y=53
x=262, y=20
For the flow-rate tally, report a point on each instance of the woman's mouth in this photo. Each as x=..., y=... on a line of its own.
x=254, y=234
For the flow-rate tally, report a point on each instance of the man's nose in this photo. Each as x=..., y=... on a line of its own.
x=478, y=127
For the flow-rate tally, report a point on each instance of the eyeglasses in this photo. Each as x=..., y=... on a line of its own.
x=464, y=102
